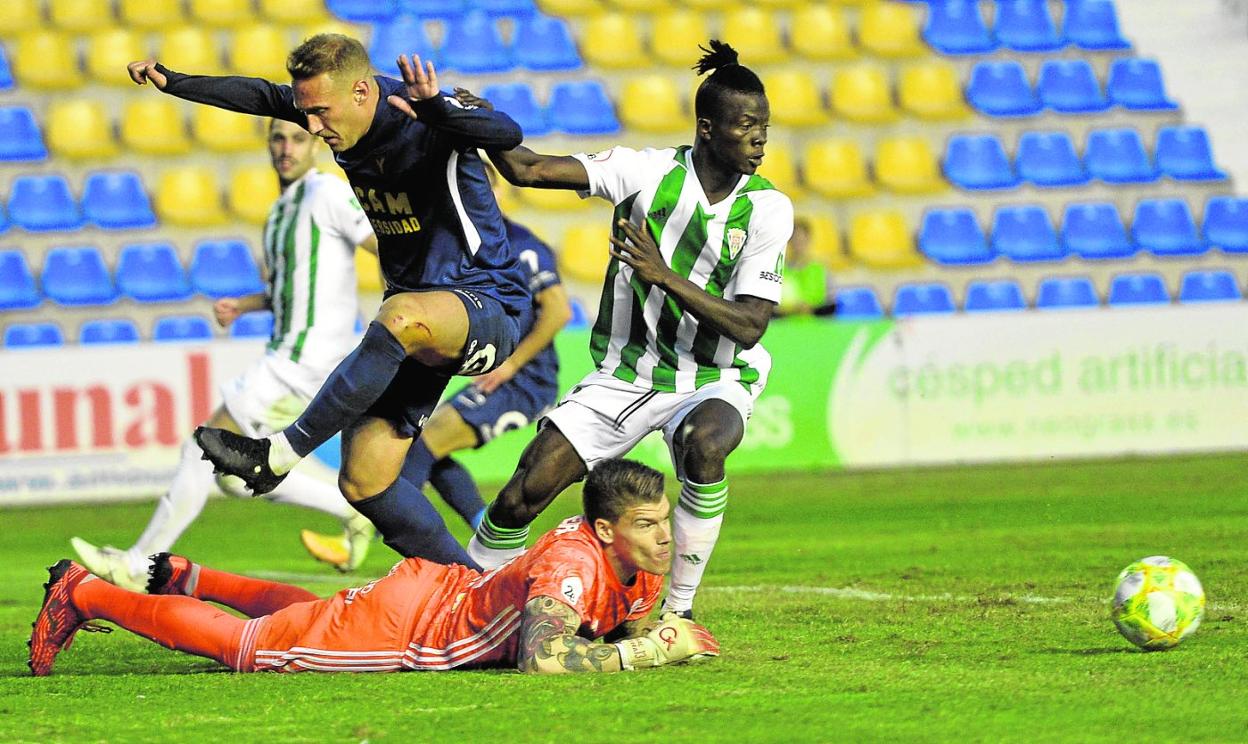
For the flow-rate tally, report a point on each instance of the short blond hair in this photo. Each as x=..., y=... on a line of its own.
x=337, y=55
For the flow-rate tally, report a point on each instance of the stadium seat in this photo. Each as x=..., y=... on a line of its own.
x=795, y=99
x=617, y=42
x=1209, y=286
x=861, y=93
x=226, y=131
x=907, y=165
x=1069, y=86
x=544, y=43
x=710, y=4
x=77, y=275
x=583, y=252
x=181, y=328
x=1027, y=26
x=836, y=169
x=1183, y=153
x=440, y=9
x=1165, y=227
x=17, y=16
x=1049, y=159
x=581, y=107
x=1093, y=25
x=80, y=15
x=224, y=268
x=497, y=8
x=517, y=100
x=109, y=331
x=404, y=35
x=116, y=200
x=31, y=58
x=882, y=240
x=819, y=32
x=154, y=126
x=1066, y=292
x=1226, y=223
x=17, y=284
x=1136, y=83
x=363, y=11
x=190, y=197
x=32, y=335
x=580, y=316
x=150, y=15
x=957, y=27
x=1002, y=89
x=1095, y=230
x=826, y=244
x=985, y=296
x=221, y=13
x=779, y=168
x=571, y=8
x=189, y=49
x=473, y=44
x=151, y=272
x=108, y=53
x=1138, y=289
x=256, y=324
x=1118, y=156
x=929, y=298
x=670, y=34
x=253, y=189
x=931, y=90
x=952, y=236
x=6, y=71
x=20, y=138
x=259, y=50
x=978, y=162
x=857, y=303
x=651, y=103
x=79, y=129
x=43, y=204
x=4, y=222
x=1025, y=234
x=289, y=12
x=755, y=33
x=890, y=30
x=553, y=200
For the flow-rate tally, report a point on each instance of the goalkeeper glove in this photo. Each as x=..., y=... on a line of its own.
x=674, y=639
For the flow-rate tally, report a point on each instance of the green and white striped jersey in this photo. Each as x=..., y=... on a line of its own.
x=310, y=239
x=730, y=249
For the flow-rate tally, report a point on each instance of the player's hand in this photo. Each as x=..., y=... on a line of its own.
x=226, y=310
x=675, y=639
x=491, y=381
x=421, y=81
x=144, y=70
x=641, y=253
x=468, y=98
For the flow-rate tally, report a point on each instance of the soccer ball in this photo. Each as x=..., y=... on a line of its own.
x=1158, y=602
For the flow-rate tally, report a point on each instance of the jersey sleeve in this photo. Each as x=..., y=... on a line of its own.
x=343, y=213
x=565, y=572
x=242, y=94
x=760, y=271
x=618, y=173
x=546, y=275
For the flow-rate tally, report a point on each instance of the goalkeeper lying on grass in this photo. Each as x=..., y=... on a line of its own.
x=594, y=575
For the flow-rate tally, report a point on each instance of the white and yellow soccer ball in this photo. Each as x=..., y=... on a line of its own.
x=1158, y=602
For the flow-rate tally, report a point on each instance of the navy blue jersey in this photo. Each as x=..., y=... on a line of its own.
x=538, y=262
x=421, y=183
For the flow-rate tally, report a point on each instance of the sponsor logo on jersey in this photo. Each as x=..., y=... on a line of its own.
x=571, y=589
x=770, y=276
x=658, y=214
x=736, y=241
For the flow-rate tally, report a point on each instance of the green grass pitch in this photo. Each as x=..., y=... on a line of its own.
x=961, y=604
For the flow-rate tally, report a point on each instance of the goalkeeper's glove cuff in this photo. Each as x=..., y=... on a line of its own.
x=638, y=652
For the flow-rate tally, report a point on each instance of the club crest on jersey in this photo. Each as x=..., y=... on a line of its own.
x=571, y=589
x=736, y=241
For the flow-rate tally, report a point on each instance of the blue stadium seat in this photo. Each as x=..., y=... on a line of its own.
x=929, y=298
x=1226, y=223
x=1145, y=288
x=518, y=8
x=1025, y=233
x=443, y=9
x=109, y=331
x=43, y=204
x=581, y=107
x=1049, y=159
x=953, y=236
x=363, y=11
x=544, y=43
x=116, y=200
x=977, y=162
x=1069, y=86
x=182, y=328
x=20, y=137
x=1136, y=83
x=518, y=102
x=225, y=268
x=151, y=272
x=77, y=275
x=1118, y=156
x=256, y=324
x=17, y=283
x=580, y=316
x=1093, y=25
x=1095, y=230
x=1027, y=26
x=1184, y=154
x=1002, y=89
x=403, y=35
x=473, y=44
x=857, y=303
x=1209, y=286
x=32, y=335
x=993, y=296
x=1166, y=227
x=6, y=71
x=1065, y=292
x=957, y=27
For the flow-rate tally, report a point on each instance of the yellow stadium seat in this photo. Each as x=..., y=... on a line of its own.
x=154, y=126
x=46, y=60
x=150, y=15
x=80, y=15
x=795, y=98
x=636, y=6
x=616, y=42
x=189, y=49
x=253, y=189
x=652, y=104
x=826, y=244
x=836, y=169
x=711, y=4
x=80, y=129
x=570, y=7
x=555, y=200
x=294, y=11
x=778, y=3
x=108, y=53
x=861, y=93
x=226, y=131
x=882, y=240
x=931, y=90
x=674, y=36
x=779, y=168
x=189, y=197
x=583, y=252
x=330, y=166
x=754, y=33
x=907, y=165
x=222, y=13
x=821, y=32
x=17, y=16
x=368, y=273
x=259, y=51
x=891, y=30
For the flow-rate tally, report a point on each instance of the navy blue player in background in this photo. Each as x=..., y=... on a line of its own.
x=456, y=295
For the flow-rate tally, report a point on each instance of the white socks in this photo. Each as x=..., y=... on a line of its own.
x=282, y=457
x=696, y=522
x=301, y=489
x=176, y=509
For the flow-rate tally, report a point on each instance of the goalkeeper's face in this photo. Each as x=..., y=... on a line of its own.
x=642, y=537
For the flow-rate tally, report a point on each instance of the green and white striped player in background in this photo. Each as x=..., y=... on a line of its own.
x=695, y=275
x=310, y=240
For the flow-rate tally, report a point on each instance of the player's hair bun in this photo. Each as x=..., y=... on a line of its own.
x=718, y=56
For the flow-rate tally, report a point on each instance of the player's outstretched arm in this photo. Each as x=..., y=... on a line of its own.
x=242, y=94
x=523, y=167
x=468, y=125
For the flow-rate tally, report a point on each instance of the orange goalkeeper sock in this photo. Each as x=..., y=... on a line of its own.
x=252, y=597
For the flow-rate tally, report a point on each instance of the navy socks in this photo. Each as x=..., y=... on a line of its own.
x=410, y=525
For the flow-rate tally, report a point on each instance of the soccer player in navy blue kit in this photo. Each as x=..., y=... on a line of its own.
x=456, y=295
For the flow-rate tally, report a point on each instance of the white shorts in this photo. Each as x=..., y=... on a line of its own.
x=604, y=417
x=271, y=394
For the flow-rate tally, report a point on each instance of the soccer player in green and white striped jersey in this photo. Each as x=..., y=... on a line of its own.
x=695, y=275
x=310, y=240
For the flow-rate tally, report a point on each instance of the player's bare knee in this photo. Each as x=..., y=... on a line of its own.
x=355, y=489
x=406, y=318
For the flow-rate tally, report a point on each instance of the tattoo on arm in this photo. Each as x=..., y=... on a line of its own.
x=549, y=644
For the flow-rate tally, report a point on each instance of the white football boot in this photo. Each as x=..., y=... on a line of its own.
x=110, y=564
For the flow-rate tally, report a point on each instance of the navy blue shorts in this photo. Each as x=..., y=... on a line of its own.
x=523, y=398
